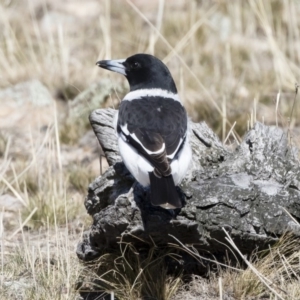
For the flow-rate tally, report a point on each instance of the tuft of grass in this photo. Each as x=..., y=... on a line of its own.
x=279, y=265
x=72, y=129
x=80, y=177
x=132, y=274
x=50, y=209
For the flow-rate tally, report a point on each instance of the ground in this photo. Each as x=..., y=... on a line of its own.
x=233, y=62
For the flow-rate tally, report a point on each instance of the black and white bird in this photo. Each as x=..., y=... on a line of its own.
x=152, y=127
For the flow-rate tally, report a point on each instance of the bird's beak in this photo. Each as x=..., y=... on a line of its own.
x=113, y=65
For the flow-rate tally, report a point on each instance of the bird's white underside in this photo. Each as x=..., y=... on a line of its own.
x=139, y=167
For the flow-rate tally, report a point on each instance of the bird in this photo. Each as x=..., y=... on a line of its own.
x=152, y=127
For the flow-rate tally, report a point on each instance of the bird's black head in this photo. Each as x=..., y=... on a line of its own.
x=143, y=71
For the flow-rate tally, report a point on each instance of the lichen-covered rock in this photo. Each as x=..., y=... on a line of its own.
x=248, y=191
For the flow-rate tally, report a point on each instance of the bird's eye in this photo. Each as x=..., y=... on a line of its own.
x=135, y=65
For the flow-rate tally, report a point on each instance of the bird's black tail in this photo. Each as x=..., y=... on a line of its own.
x=163, y=192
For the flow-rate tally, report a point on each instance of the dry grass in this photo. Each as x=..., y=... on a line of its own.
x=42, y=265
x=279, y=266
x=132, y=274
x=41, y=184
x=229, y=60
x=38, y=259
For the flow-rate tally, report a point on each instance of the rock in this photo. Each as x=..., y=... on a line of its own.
x=9, y=211
x=24, y=105
x=247, y=191
x=17, y=288
x=10, y=203
x=26, y=111
x=32, y=91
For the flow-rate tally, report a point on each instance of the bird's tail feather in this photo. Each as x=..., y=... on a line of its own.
x=163, y=192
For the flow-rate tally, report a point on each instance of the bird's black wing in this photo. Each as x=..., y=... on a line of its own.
x=155, y=127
